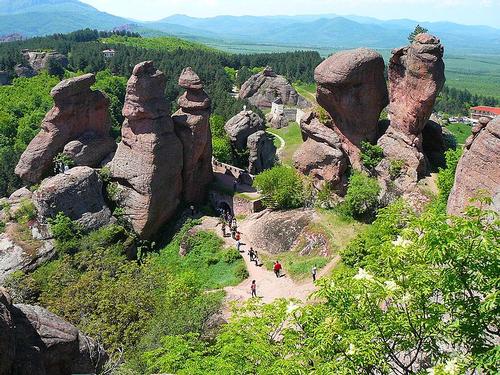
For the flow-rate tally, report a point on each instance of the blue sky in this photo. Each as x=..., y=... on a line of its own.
x=476, y=12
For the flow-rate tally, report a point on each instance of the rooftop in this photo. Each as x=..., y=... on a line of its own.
x=495, y=110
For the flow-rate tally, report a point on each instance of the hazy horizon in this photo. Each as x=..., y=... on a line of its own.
x=468, y=12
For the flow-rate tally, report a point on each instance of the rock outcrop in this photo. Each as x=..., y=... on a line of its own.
x=36, y=342
x=192, y=126
x=263, y=88
x=262, y=152
x=39, y=60
x=77, y=193
x=416, y=75
x=478, y=171
x=321, y=156
x=4, y=78
x=352, y=89
x=241, y=126
x=78, y=110
x=89, y=150
x=147, y=166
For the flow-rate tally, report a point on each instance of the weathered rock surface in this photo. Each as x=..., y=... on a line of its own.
x=433, y=144
x=416, y=75
x=38, y=342
x=13, y=257
x=192, y=126
x=352, y=89
x=77, y=193
x=77, y=110
x=23, y=71
x=320, y=156
x=89, y=149
x=262, y=89
x=40, y=60
x=262, y=152
x=478, y=171
x=148, y=162
x=4, y=78
x=241, y=126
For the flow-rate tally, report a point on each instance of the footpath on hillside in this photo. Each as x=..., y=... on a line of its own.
x=269, y=287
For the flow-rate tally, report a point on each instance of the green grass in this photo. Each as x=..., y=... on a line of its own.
x=212, y=264
x=296, y=266
x=164, y=43
x=307, y=90
x=293, y=139
x=460, y=131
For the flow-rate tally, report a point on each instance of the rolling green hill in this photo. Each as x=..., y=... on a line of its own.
x=159, y=43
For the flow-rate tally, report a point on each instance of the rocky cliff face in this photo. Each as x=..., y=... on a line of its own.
x=262, y=152
x=37, y=342
x=264, y=88
x=192, y=126
x=241, y=126
x=478, y=170
x=352, y=89
x=147, y=166
x=416, y=75
x=77, y=110
x=40, y=60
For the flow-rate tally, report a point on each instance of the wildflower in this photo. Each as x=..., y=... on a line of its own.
x=352, y=350
x=400, y=241
x=451, y=367
x=390, y=285
x=363, y=275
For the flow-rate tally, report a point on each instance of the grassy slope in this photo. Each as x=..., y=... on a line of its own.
x=460, y=131
x=307, y=90
x=160, y=43
x=293, y=139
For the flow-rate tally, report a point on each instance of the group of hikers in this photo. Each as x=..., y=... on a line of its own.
x=229, y=226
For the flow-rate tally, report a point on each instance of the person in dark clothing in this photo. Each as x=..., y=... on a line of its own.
x=251, y=254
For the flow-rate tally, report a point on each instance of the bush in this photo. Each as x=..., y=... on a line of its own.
x=281, y=188
x=231, y=255
x=221, y=149
x=395, y=168
x=25, y=212
x=362, y=195
x=66, y=233
x=446, y=176
x=371, y=155
x=241, y=271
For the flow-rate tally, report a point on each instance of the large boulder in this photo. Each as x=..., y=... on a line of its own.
x=77, y=193
x=192, y=126
x=262, y=152
x=241, y=126
x=263, y=88
x=5, y=78
x=416, y=75
x=38, y=342
x=478, y=171
x=147, y=165
x=77, y=110
x=352, y=89
x=320, y=156
x=89, y=149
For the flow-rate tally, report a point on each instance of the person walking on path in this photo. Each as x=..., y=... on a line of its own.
x=277, y=269
x=314, y=272
x=256, y=258
x=253, y=289
x=223, y=229
x=238, y=245
x=251, y=254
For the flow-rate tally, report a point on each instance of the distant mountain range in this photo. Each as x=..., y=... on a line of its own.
x=40, y=17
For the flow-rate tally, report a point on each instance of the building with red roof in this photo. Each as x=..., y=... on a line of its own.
x=483, y=111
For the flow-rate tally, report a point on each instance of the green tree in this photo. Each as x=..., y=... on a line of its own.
x=281, y=187
x=418, y=30
x=362, y=195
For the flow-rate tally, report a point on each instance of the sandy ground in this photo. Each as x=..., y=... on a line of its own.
x=269, y=287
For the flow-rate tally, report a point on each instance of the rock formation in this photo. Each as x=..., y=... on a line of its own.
x=77, y=193
x=89, y=149
x=40, y=60
x=478, y=170
x=416, y=75
x=262, y=152
x=321, y=156
x=78, y=110
x=352, y=89
x=262, y=89
x=241, y=126
x=4, y=78
x=36, y=342
x=192, y=126
x=147, y=166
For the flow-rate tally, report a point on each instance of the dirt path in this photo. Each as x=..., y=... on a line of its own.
x=279, y=151
x=269, y=287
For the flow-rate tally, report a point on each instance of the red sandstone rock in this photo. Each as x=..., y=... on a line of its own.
x=351, y=87
x=262, y=152
x=192, y=126
x=147, y=165
x=77, y=110
x=478, y=171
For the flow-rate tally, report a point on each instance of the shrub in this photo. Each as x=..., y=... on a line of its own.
x=362, y=195
x=66, y=233
x=446, y=176
x=221, y=149
x=395, y=168
x=371, y=155
x=281, y=188
x=217, y=126
x=25, y=212
x=231, y=255
x=241, y=271
x=322, y=114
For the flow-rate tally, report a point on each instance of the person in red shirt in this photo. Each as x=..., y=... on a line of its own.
x=277, y=269
x=253, y=289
